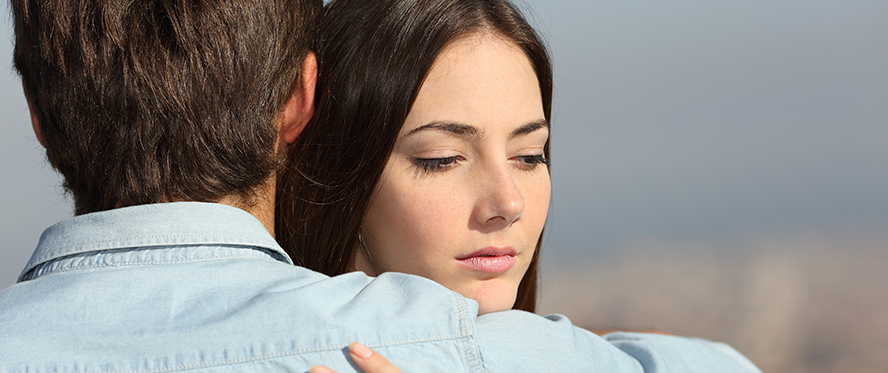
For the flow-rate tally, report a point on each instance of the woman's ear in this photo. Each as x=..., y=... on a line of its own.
x=35, y=121
x=299, y=108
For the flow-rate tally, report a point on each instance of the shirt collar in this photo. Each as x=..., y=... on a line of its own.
x=161, y=224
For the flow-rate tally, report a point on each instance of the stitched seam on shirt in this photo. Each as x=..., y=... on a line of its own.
x=472, y=360
x=282, y=354
x=140, y=264
x=222, y=236
x=462, y=329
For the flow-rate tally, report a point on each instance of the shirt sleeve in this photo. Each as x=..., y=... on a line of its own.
x=515, y=341
x=667, y=353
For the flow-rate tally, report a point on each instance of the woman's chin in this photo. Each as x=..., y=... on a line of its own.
x=492, y=297
x=484, y=309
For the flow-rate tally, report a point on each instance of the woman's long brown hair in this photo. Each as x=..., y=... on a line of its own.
x=374, y=57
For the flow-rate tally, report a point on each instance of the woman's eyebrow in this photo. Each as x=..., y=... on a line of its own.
x=530, y=127
x=461, y=130
x=470, y=132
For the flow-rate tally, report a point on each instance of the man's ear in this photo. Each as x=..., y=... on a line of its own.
x=300, y=106
x=35, y=122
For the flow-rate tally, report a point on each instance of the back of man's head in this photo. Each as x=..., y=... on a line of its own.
x=160, y=100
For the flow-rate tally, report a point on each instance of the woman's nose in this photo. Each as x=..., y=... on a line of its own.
x=500, y=202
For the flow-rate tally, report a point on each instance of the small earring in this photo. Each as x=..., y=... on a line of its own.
x=364, y=248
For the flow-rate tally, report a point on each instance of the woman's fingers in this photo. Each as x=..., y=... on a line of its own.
x=365, y=358
x=320, y=369
x=368, y=360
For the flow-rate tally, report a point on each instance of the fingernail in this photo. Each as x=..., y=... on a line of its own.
x=319, y=369
x=360, y=350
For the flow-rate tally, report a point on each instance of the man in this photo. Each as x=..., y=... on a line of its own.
x=167, y=120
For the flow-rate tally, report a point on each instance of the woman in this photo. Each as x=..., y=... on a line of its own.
x=429, y=153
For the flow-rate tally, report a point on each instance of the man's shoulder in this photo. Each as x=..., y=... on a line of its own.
x=244, y=313
x=222, y=313
x=175, y=285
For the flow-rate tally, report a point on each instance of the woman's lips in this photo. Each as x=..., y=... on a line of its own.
x=490, y=259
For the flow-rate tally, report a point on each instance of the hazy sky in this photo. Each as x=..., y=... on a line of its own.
x=673, y=120
x=692, y=118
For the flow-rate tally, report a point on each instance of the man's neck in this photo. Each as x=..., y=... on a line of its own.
x=260, y=206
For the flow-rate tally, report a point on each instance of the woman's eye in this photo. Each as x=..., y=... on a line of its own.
x=529, y=162
x=436, y=164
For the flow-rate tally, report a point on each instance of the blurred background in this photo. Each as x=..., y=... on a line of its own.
x=720, y=169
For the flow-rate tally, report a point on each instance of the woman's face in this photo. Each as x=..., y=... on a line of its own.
x=464, y=195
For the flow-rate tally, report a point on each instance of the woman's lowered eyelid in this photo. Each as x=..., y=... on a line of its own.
x=436, y=164
x=533, y=160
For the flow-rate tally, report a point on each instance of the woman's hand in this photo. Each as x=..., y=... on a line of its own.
x=365, y=358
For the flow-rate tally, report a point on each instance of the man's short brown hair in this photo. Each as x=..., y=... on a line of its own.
x=159, y=100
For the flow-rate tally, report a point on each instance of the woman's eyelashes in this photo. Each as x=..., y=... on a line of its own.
x=530, y=162
x=428, y=165
x=435, y=164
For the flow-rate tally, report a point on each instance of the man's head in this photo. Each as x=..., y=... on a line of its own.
x=140, y=102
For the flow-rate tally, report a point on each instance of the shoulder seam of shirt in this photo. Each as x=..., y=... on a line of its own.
x=71, y=268
x=278, y=355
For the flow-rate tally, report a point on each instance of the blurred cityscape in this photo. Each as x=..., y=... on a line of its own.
x=806, y=303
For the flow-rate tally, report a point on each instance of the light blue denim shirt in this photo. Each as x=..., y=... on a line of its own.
x=204, y=287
